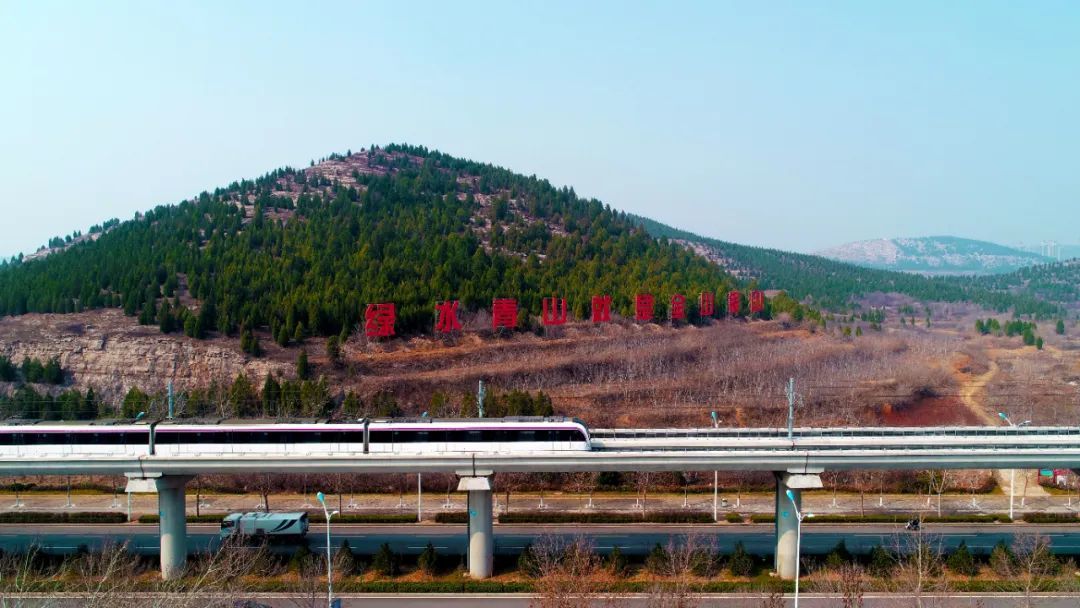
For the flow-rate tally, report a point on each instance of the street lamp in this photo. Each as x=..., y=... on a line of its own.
x=329, y=560
x=1012, y=472
x=798, y=539
x=715, y=475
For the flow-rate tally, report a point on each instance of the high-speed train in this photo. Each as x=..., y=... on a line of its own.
x=192, y=438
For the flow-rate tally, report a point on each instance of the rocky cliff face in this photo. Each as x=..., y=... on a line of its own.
x=112, y=353
x=934, y=255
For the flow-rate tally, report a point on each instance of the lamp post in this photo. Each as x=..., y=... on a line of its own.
x=1012, y=472
x=798, y=539
x=715, y=475
x=329, y=560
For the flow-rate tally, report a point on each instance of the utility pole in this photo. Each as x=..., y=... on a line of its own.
x=791, y=408
x=480, y=392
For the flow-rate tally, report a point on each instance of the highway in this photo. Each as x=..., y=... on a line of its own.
x=511, y=539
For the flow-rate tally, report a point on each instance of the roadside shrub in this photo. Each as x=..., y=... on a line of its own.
x=453, y=517
x=385, y=562
x=961, y=561
x=838, y=557
x=881, y=563
x=604, y=517
x=733, y=518
x=1050, y=518
x=705, y=563
x=344, y=560
x=527, y=563
x=428, y=560
x=616, y=562
x=42, y=517
x=765, y=518
x=300, y=559
x=657, y=560
x=741, y=563
x=1002, y=559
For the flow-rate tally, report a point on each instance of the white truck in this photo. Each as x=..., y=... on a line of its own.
x=268, y=525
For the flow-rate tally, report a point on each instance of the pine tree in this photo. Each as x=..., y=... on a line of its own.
x=961, y=561
x=429, y=560
x=344, y=560
x=303, y=371
x=1060, y=328
x=741, y=563
x=385, y=561
x=333, y=350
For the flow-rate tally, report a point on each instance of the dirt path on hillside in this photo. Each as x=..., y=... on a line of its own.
x=973, y=395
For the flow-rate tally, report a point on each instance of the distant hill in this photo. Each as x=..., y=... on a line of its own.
x=303, y=251
x=1042, y=291
x=934, y=255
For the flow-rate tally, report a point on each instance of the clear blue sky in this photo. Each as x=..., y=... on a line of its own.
x=794, y=125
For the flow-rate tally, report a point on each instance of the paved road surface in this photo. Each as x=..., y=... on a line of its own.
x=983, y=600
x=511, y=539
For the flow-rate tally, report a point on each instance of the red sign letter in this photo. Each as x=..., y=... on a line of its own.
x=379, y=320
x=552, y=314
x=503, y=313
x=601, y=309
x=706, y=305
x=734, y=303
x=447, y=320
x=757, y=301
x=643, y=307
x=678, y=307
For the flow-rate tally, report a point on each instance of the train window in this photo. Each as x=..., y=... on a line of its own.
x=526, y=436
x=380, y=436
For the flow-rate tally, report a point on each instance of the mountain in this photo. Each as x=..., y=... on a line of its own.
x=934, y=255
x=303, y=251
x=1042, y=291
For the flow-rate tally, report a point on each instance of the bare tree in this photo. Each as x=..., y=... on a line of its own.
x=919, y=566
x=848, y=581
x=565, y=573
x=936, y=480
x=686, y=557
x=1033, y=564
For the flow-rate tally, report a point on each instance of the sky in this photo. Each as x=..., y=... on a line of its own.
x=797, y=125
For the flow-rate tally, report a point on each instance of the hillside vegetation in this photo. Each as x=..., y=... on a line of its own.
x=1039, y=291
x=304, y=251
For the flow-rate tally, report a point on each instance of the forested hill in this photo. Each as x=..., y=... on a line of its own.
x=304, y=251
x=1042, y=291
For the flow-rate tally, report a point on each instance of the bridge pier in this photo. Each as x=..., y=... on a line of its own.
x=787, y=555
x=173, y=525
x=480, y=532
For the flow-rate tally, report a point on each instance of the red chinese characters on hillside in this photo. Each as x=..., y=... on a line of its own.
x=706, y=304
x=757, y=301
x=554, y=311
x=643, y=307
x=678, y=307
x=734, y=303
x=379, y=320
x=601, y=309
x=503, y=313
x=446, y=319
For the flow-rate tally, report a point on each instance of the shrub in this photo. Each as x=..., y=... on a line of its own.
x=344, y=560
x=705, y=563
x=527, y=563
x=838, y=556
x=657, y=560
x=1050, y=518
x=766, y=518
x=741, y=563
x=385, y=562
x=300, y=559
x=604, y=517
x=428, y=560
x=881, y=563
x=616, y=562
x=733, y=518
x=41, y=517
x=961, y=561
x=454, y=517
x=1002, y=559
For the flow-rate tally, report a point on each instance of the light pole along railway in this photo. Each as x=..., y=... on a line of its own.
x=166, y=456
